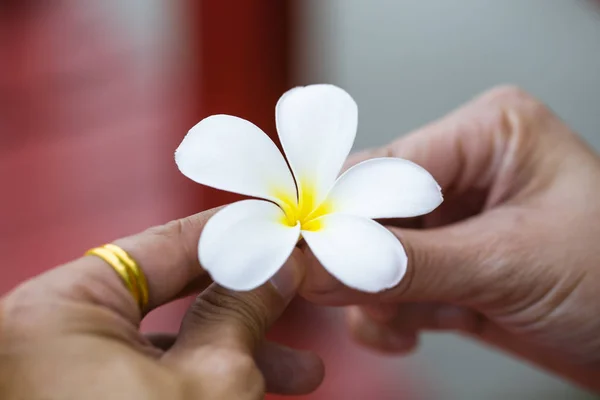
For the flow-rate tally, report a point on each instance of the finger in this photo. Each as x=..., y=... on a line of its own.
x=367, y=154
x=467, y=147
x=453, y=264
x=167, y=255
x=422, y=316
x=408, y=223
x=286, y=371
x=223, y=329
x=289, y=371
x=222, y=318
x=480, y=145
x=379, y=337
x=369, y=332
x=552, y=360
x=395, y=328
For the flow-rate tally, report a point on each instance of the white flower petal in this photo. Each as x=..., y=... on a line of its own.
x=358, y=251
x=385, y=188
x=232, y=154
x=244, y=245
x=317, y=126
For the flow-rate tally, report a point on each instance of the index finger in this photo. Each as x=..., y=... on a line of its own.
x=167, y=255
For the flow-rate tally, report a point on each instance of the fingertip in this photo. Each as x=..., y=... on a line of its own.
x=320, y=287
x=317, y=281
x=380, y=313
x=311, y=372
x=289, y=277
x=225, y=316
x=289, y=371
x=378, y=336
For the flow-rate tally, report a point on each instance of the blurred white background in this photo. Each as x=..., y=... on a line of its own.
x=407, y=62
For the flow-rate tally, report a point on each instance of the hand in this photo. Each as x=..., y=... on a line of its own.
x=511, y=258
x=72, y=333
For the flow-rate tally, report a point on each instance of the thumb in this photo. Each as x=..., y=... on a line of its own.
x=464, y=263
x=223, y=317
x=479, y=149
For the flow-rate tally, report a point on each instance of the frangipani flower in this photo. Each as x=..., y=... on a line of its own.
x=244, y=244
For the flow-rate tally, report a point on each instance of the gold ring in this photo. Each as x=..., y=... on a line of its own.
x=127, y=268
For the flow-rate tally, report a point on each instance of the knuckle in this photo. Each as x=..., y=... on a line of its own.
x=514, y=106
x=21, y=312
x=506, y=93
x=519, y=120
x=176, y=232
x=183, y=227
x=172, y=229
x=183, y=231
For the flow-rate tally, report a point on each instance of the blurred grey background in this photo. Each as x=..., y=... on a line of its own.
x=407, y=62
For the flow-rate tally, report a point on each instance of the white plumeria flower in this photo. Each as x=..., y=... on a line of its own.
x=245, y=244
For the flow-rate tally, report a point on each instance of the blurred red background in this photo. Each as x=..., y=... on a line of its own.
x=87, y=141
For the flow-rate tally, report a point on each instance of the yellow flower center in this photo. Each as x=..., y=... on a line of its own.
x=306, y=211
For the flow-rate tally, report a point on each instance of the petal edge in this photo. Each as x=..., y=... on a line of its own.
x=232, y=154
x=243, y=245
x=316, y=125
x=385, y=188
x=358, y=252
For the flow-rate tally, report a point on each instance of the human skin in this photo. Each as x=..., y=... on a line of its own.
x=73, y=332
x=510, y=259
x=512, y=256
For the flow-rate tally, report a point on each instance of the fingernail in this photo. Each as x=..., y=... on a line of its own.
x=287, y=279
